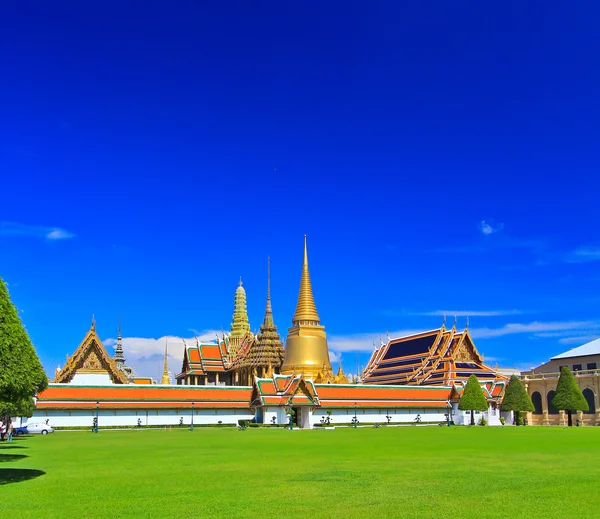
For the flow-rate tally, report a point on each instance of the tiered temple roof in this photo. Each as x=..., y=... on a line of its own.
x=202, y=358
x=438, y=357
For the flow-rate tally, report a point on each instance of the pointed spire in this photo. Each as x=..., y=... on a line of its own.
x=306, y=309
x=267, y=349
x=93, y=323
x=467, y=326
x=268, y=321
x=165, y=378
x=119, y=356
x=240, y=327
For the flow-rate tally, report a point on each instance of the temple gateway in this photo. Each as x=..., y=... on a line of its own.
x=242, y=376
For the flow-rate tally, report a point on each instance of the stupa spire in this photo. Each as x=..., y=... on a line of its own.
x=165, y=378
x=240, y=327
x=119, y=356
x=306, y=350
x=268, y=320
x=306, y=309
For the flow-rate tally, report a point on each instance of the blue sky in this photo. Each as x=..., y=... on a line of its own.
x=440, y=157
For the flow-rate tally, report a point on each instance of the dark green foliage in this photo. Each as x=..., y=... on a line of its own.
x=473, y=398
x=516, y=399
x=21, y=373
x=568, y=395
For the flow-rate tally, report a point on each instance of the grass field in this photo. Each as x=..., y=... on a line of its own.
x=479, y=472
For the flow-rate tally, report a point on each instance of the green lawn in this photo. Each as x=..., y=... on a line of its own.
x=479, y=472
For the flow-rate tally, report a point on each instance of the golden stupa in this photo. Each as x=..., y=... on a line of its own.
x=306, y=350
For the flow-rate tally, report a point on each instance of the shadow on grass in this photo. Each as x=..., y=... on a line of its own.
x=5, y=458
x=8, y=476
x=11, y=446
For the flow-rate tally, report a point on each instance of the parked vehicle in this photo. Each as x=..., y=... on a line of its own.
x=20, y=430
x=39, y=428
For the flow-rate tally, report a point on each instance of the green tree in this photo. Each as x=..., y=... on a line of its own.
x=21, y=373
x=516, y=398
x=473, y=398
x=568, y=395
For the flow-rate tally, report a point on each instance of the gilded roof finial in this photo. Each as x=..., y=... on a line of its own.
x=240, y=281
x=454, y=325
x=165, y=377
x=93, y=323
x=306, y=309
x=444, y=321
x=467, y=326
x=387, y=335
x=374, y=346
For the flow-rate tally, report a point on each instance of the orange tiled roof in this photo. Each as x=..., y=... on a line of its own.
x=148, y=397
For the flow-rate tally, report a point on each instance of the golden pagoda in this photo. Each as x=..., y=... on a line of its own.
x=240, y=327
x=306, y=350
x=165, y=378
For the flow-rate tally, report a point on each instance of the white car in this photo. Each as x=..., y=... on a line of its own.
x=39, y=428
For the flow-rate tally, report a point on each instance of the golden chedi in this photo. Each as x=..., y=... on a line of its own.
x=306, y=350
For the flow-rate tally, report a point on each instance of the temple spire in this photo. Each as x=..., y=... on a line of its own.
x=268, y=320
x=119, y=356
x=240, y=326
x=165, y=378
x=306, y=309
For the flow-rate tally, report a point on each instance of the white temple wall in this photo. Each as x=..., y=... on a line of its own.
x=150, y=417
x=370, y=416
x=274, y=412
x=91, y=379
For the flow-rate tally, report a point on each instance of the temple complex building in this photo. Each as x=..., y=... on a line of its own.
x=239, y=376
x=438, y=357
x=541, y=381
x=92, y=365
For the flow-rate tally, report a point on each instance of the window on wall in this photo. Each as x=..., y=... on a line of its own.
x=551, y=408
x=592, y=365
x=576, y=367
x=536, y=399
x=589, y=397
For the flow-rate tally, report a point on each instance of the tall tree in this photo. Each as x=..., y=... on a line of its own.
x=21, y=373
x=516, y=398
x=473, y=398
x=568, y=395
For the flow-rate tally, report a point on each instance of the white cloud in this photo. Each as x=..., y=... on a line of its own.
x=583, y=255
x=34, y=231
x=579, y=340
x=533, y=327
x=469, y=313
x=363, y=341
x=146, y=355
x=488, y=228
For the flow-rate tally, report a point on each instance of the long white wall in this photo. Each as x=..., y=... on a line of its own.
x=345, y=416
x=106, y=417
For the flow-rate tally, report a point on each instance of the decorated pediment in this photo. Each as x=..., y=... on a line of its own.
x=466, y=352
x=90, y=357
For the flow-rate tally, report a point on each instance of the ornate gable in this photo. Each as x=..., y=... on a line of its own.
x=91, y=357
x=465, y=350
